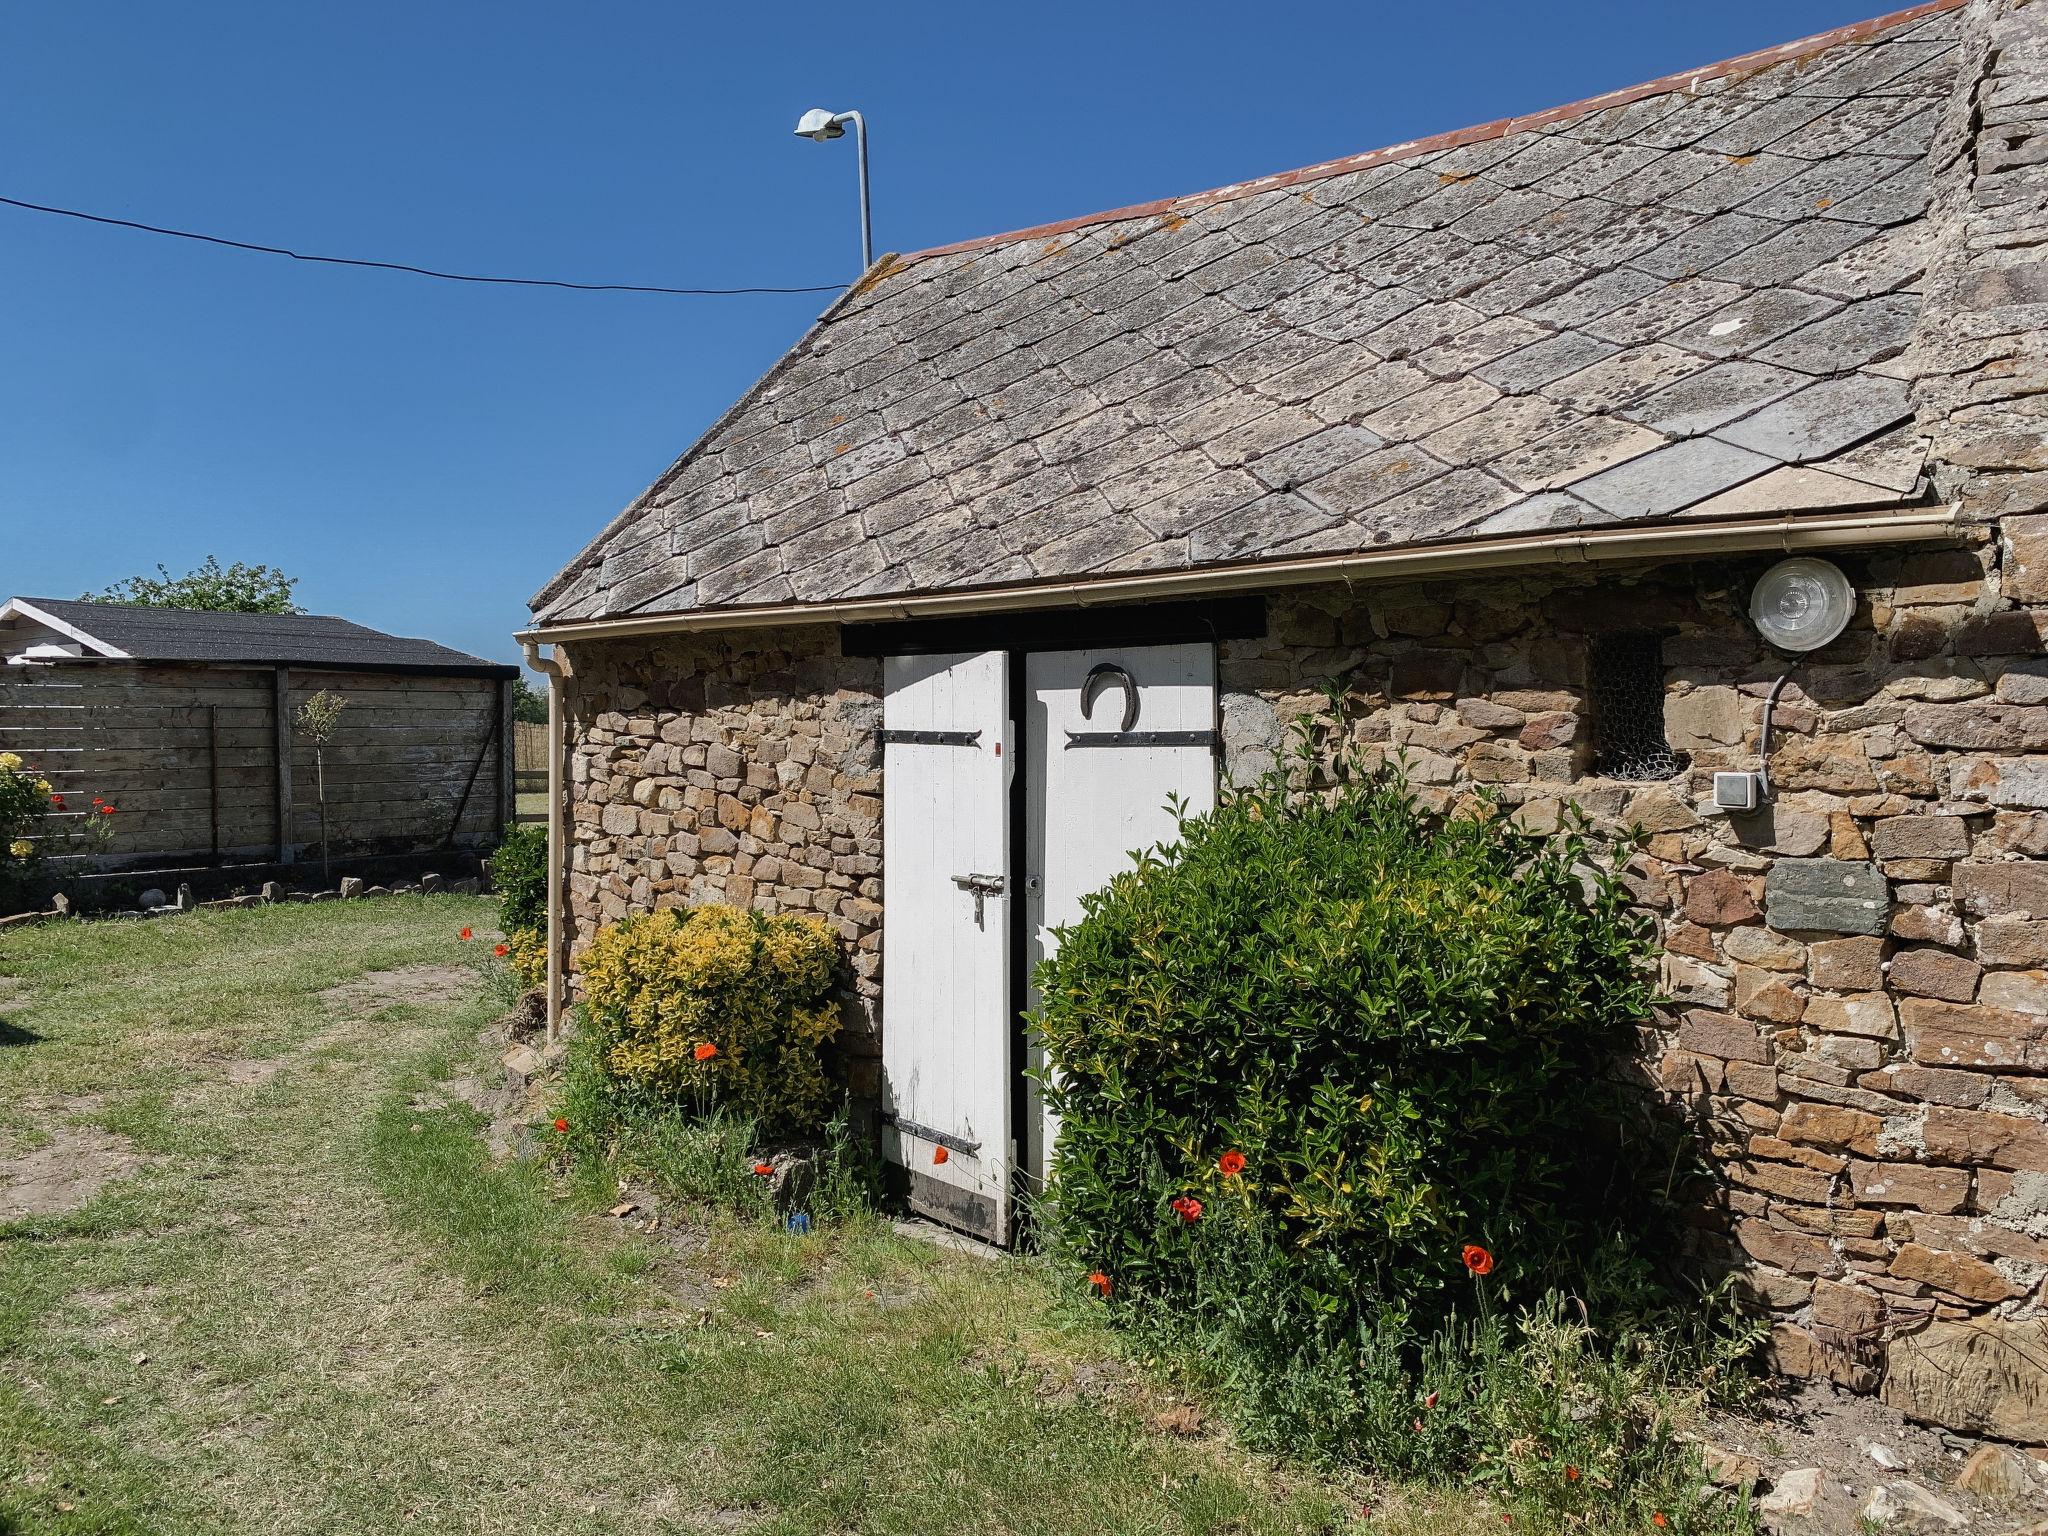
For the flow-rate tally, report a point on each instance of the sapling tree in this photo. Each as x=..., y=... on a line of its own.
x=316, y=720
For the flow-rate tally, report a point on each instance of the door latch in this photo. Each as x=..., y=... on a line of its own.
x=983, y=887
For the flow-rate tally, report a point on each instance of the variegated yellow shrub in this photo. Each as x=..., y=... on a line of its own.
x=528, y=956
x=717, y=1007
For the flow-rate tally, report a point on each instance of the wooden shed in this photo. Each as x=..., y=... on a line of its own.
x=185, y=721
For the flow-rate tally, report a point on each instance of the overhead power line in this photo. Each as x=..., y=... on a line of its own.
x=400, y=266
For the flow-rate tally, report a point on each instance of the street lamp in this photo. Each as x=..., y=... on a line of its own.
x=821, y=125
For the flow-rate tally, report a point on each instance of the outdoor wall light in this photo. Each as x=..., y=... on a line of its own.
x=1798, y=605
x=1801, y=604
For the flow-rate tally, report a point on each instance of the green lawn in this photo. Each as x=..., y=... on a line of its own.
x=306, y=1300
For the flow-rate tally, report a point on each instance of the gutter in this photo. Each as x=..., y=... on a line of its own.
x=551, y=668
x=1587, y=546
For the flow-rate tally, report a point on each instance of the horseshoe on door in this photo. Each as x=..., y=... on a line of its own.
x=1106, y=672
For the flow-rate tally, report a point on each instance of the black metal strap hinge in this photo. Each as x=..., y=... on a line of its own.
x=925, y=1133
x=932, y=738
x=1141, y=739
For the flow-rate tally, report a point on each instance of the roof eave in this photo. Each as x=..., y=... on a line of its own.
x=16, y=607
x=1785, y=533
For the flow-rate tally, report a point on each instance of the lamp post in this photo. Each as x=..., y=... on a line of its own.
x=821, y=125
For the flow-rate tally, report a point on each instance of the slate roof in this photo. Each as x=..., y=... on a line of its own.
x=1683, y=300
x=264, y=639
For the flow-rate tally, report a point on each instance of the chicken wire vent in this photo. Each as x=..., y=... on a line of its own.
x=1627, y=687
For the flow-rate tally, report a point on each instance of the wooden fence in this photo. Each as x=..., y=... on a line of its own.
x=203, y=764
x=530, y=771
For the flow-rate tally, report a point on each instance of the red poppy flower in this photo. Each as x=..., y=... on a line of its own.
x=705, y=1050
x=95, y=799
x=1429, y=1401
x=1231, y=1163
x=561, y=1126
x=57, y=801
x=1187, y=1208
x=1658, y=1520
x=765, y=1170
x=465, y=935
x=106, y=810
x=1478, y=1260
x=1571, y=1474
x=1099, y=1283
x=500, y=950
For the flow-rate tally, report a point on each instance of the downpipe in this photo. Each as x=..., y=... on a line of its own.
x=551, y=667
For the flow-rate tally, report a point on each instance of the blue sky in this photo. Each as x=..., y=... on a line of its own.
x=424, y=455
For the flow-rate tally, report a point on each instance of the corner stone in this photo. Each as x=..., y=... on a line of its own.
x=1826, y=896
x=1984, y=1376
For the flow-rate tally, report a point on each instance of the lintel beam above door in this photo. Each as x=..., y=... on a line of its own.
x=1226, y=618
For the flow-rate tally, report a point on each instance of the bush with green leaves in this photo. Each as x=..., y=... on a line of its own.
x=1404, y=1024
x=519, y=871
x=1337, y=1089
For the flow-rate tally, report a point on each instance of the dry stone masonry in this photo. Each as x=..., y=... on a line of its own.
x=743, y=768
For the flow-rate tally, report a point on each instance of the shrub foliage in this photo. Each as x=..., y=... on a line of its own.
x=720, y=1008
x=519, y=870
x=1403, y=1023
x=1341, y=1135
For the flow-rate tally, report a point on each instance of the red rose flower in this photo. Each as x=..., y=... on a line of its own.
x=465, y=935
x=1478, y=1260
x=1099, y=1283
x=705, y=1050
x=1231, y=1163
x=500, y=950
x=106, y=810
x=561, y=1125
x=57, y=801
x=940, y=1154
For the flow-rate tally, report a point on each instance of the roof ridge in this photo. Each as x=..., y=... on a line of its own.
x=1760, y=58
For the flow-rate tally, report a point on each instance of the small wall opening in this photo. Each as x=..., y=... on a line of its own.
x=1626, y=682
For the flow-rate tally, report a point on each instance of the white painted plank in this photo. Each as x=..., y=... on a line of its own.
x=946, y=1031
x=1089, y=808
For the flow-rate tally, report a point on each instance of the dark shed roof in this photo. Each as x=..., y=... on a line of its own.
x=265, y=639
x=1683, y=300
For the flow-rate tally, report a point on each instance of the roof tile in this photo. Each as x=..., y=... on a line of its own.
x=1821, y=419
x=1662, y=482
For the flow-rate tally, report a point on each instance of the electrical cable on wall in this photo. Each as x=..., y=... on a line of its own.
x=400, y=266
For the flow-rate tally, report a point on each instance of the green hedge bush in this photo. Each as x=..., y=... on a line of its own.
x=1405, y=1024
x=519, y=870
x=1341, y=1132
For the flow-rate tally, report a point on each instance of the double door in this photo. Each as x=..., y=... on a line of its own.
x=1014, y=784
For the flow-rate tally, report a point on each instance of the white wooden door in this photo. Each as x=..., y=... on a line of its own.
x=1100, y=773
x=947, y=1017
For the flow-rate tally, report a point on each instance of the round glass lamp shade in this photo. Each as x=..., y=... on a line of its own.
x=1802, y=604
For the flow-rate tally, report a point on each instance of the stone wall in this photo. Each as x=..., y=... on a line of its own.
x=1859, y=972
x=742, y=768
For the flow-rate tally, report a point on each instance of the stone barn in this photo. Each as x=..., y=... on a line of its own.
x=1513, y=430
x=187, y=723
